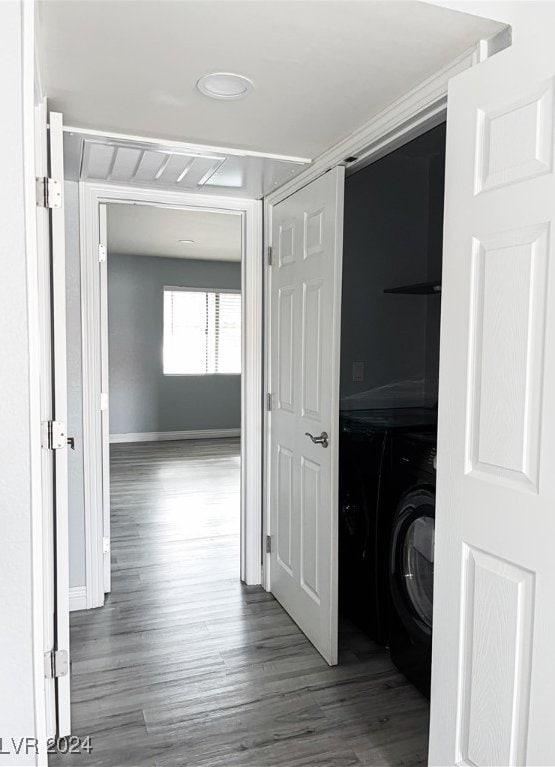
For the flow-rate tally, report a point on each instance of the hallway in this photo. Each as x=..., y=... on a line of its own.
x=184, y=666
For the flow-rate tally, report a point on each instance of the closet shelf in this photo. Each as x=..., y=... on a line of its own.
x=419, y=288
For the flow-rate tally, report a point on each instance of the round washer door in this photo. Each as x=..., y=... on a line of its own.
x=412, y=562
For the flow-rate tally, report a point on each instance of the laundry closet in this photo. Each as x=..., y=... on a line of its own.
x=390, y=323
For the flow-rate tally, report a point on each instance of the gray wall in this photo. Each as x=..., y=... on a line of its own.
x=142, y=399
x=392, y=239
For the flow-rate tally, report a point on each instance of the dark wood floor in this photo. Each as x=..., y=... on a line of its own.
x=184, y=666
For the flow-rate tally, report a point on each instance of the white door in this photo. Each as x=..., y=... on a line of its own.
x=46, y=408
x=60, y=667
x=493, y=679
x=104, y=380
x=307, y=239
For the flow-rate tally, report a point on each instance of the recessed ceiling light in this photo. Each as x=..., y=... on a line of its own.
x=187, y=242
x=225, y=85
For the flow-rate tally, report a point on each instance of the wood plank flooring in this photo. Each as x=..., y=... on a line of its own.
x=186, y=667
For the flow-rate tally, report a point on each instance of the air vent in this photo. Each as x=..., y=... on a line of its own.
x=148, y=167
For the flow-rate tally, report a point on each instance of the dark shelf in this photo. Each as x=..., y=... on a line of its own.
x=419, y=289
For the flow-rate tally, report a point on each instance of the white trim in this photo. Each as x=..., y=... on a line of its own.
x=104, y=400
x=412, y=114
x=163, y=436
x=91, y=196
x=91, y=377
x=252, y=318
x=183, y=146
x=38, y=86
x=77, y=598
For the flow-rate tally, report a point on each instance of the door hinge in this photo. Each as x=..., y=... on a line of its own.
x=105, y=545
x=270, y=254
x=269, y=402
x=56, y=664
x=53, y=435
x=101, y=253
x=103, y=400
x=268, y=544
x=49, y=192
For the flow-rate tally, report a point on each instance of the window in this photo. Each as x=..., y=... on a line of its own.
x=202, y=332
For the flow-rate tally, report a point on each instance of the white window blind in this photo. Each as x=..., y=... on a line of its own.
x=202, y=332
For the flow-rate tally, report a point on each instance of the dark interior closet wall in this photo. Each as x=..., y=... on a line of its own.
x=393, y=237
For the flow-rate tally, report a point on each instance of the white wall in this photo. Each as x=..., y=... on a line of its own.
x=21, y=628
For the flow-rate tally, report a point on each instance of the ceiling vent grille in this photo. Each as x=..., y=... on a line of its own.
x=148, y=166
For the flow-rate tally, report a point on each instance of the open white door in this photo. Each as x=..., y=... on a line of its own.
x=58, y=664
x=493, y=679
x=46, y=409
x=104, y=376
x=307, y=238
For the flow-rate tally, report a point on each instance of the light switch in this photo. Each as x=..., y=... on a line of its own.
x=358, y=372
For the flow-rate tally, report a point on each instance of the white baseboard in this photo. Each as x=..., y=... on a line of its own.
x=162, y=436
x=77, y=598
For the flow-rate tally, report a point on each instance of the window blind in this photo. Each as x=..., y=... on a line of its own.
x=202, y=332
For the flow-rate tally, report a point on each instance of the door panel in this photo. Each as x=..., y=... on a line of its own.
x=286, y=302
x=493, y=678
x=312, y=349
x=310, y=508
x=305, y=316
x=47, y=409
x=59, y=392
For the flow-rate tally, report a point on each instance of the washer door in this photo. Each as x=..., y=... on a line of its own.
x=412, y=562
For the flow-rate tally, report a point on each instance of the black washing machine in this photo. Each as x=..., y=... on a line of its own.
x=363, y=532
x=411, y=484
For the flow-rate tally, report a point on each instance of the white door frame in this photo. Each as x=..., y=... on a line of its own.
x=414, y=113
x=91, y=196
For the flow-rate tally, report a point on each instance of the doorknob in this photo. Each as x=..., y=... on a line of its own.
x=321, y=440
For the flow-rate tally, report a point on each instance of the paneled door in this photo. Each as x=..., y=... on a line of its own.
x=55, y=439
x=493, y=678
x=307, y=236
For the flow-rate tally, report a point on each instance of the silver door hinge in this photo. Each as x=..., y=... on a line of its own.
x=56, y=664
x=101, y=253
x=53, y=435
x=268, y=544
x=105, y=545
x=270, y=252
x=269, y=402
x=49, y=192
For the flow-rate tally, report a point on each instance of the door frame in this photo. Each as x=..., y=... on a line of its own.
x=419, y=110
x=91, y=196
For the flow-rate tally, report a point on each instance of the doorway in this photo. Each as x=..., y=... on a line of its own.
x=390, y=348
x=173, y=379
x=390, y=330
x=94, y=199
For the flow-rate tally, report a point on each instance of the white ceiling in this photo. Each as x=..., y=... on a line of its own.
x=320, y=68
x=146, y=230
